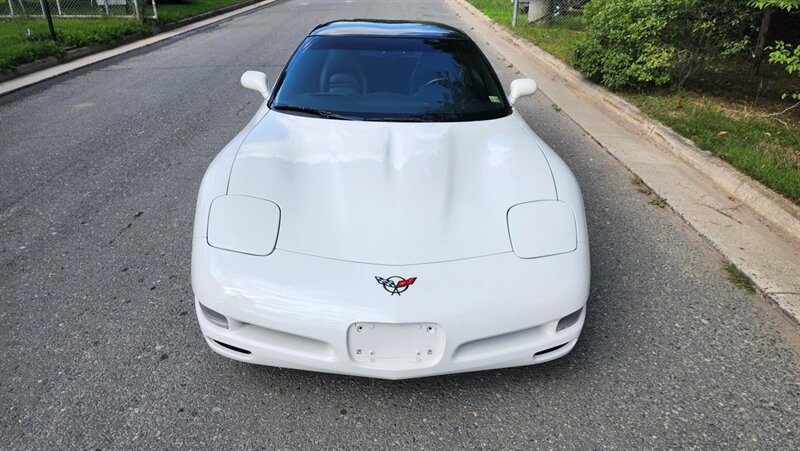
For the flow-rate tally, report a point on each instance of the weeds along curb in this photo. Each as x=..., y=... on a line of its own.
x=69, y=55
x=771, y=206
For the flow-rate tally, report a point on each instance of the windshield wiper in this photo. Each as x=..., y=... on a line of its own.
x=314, y=112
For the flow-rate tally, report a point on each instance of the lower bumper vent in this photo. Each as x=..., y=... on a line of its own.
x=556, y=348
x=231, y=347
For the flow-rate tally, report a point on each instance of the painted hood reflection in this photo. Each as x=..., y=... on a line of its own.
x=377, y=192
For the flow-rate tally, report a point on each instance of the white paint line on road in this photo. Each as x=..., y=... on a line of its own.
x=61, y=69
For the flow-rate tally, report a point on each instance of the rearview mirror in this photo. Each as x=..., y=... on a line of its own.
x=521, y=87
x=257, y=81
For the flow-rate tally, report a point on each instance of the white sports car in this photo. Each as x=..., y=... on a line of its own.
x=387, y=213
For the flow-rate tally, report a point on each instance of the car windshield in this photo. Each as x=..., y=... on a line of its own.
x=390, y=79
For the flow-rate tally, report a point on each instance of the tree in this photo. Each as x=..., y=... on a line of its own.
x=769, y=7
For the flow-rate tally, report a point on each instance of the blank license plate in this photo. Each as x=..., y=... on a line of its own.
x=395, y=345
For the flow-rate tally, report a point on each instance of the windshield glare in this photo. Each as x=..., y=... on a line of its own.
x=392, y=79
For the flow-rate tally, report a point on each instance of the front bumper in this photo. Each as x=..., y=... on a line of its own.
x=297, y=311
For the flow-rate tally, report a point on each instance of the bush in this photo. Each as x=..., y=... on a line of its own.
x=782, y=52
x=784, y=55
x=656, y=42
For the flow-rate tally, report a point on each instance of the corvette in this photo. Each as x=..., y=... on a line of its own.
x=388, y=213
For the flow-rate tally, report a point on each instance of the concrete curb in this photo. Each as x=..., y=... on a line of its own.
x=772, y=206
x=69, y=55
x=38, y=72
x=750, y=225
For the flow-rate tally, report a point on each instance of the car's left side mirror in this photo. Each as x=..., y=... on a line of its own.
x=257, y=81
x=522, y=87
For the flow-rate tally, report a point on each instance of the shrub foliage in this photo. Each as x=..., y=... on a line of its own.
x=657, y=42
x=782, y=53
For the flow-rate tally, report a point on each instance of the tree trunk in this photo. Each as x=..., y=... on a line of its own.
x=761, y=42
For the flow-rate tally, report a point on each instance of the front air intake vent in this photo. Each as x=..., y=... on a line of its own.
x=569, y=320
x=214, y=317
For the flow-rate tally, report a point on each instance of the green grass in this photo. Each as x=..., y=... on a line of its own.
x=658, y=201
x=737, y=277
x=187, y=8
x=18, y=47
x=653, y=198
x=558, y=36
x=765, y=148
x=724, y=110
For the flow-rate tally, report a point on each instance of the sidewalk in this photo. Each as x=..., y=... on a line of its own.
x=751, y=226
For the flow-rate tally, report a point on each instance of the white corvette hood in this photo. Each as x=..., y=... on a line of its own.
x=391, y=193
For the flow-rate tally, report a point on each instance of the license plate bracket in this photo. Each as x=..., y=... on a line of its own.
x=395, y=345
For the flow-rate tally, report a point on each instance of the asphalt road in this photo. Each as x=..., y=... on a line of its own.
x=98, y=176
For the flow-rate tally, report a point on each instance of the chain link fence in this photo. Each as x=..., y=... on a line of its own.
x=79, y=8
x=553, y=13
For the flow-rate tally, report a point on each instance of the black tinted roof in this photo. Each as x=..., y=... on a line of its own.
x=388, y=28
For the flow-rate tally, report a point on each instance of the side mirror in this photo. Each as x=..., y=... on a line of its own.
x=257, y=81
x=521, y=87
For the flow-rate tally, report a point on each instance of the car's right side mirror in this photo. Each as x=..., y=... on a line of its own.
x=257, y=81
x=521, y=87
